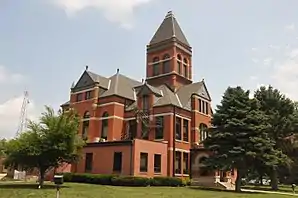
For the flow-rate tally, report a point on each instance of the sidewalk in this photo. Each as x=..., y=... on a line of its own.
x=269, y=192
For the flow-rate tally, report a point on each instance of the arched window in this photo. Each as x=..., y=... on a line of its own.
x=185, y=66
x=202, y=160
x=86, y=115
x=179, y=60
x=155, y=66
x=166, y=66
x=104, y=125
x=85, y=128
x=203, y=132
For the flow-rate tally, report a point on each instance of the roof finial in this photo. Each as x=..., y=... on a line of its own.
x=117, y=70
x=203, y=80
x=87, y=67
x=170, y=14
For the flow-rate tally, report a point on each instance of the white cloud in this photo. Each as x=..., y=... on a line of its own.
x=10, y=112
x=267, y=61
x=254, y=60
x=253, y=78
x=254, y=49
x=8, y=77
x=290, y=27
x=293, y=53
x=120, y=11
x=274, y=47
x=285, y=74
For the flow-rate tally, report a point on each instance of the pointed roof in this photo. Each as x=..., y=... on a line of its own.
x=168, y=29
x=121, y=86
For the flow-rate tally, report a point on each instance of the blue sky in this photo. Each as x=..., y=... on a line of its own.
x=45, y=45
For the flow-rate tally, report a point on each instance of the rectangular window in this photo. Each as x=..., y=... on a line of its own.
x=85, y=129
x=79, y=97
x=132, y=129
x=203, y=107
x=185, y=71
x=157, y=163
x=117, y=166
x=143, y=162
x=178, y=162
x=88, y=95
x=88, y=162
x=185, y=130
x=159, y=123
x=179, y=67
x=166, y=65
x=207, y=108
x=155, y=69
x=178, y=128
x=185, y=163
x=200, y=105
x=145, y=103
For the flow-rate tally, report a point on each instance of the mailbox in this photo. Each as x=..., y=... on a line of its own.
x=58, y=179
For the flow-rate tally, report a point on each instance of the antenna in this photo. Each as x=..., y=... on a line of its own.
x=23, y=116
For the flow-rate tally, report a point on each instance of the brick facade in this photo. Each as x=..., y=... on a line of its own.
x=159, y=123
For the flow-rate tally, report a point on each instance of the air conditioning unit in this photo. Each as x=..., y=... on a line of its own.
x=96, y=139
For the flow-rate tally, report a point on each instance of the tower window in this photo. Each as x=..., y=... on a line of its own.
x=155, y=66
x=185, y=67
x=179, y=63
x=166, y=66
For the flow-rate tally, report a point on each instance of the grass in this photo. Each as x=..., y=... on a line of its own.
x=281, y=188
x=69, y=190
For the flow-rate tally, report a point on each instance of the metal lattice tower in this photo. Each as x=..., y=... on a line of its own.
x=23, y=117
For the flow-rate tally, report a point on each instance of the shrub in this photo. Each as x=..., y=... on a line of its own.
x=88, y=178
x=124, y=180
x=130, y=181
x=166, y=181
x=186, y=181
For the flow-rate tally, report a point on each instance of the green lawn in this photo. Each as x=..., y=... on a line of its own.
x=21, y=190
x=281, y=188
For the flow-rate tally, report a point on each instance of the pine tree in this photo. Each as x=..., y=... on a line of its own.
x=281, y=117
x=239, y=135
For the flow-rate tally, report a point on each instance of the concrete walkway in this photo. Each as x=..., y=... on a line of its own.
x=269, y=192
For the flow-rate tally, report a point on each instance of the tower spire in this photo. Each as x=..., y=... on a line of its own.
x=169, y=29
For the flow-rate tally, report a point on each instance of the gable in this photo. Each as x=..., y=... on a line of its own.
x=144, y=91
x=204, y=92
x=84, y=82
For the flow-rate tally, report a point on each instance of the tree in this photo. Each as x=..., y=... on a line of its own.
x=281, y=113
x=239, y=135
x=2, y=147
x=47, y=143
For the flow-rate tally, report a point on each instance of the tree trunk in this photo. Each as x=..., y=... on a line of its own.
x=274, y=181
x=261, y=180
x=42, y=172
x=238, y=181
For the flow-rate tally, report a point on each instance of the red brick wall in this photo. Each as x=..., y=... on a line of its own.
x=103, y=158
x=151, y=148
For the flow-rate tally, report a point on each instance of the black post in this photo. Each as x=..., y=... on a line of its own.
x=174, y=140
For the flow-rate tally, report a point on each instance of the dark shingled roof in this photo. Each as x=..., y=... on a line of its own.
x=103, y=81
x=121, y=86
x=168, y=29
x=128, y=88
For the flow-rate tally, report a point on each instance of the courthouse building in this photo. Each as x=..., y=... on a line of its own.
x=150, y=128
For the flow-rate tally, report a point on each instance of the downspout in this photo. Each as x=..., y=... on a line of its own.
x=174, y=139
